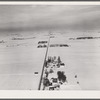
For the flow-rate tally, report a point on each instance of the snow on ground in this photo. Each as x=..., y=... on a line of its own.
x=18, y=64
x=81, y=59
x=19, y=59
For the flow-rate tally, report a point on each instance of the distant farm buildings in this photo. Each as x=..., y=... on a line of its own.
x=43, y=44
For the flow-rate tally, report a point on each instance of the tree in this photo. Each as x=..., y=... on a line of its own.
x=59, y=60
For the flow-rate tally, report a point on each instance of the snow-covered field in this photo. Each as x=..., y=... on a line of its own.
x=81, y=58
x=19, y=62
x=19, y=59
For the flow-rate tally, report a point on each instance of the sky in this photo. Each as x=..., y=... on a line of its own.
x=49, y=17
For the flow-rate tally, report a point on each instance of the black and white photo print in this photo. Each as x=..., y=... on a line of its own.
x=49, y=47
